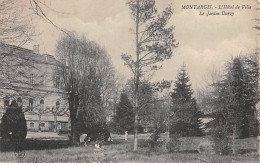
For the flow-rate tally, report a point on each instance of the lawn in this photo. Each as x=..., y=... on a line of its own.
x=117, y=151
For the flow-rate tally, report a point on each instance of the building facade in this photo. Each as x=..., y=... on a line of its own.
x=28, y=76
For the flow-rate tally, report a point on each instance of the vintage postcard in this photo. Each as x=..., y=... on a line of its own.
x=129, y=81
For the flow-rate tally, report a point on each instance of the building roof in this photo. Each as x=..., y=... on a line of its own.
x=37, y=58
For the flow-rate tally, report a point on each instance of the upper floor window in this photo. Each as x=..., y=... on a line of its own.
x=57, y=82
x=42, y=104
x=30, y=104
x=57, y=104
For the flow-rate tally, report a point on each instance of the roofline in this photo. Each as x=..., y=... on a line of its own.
x=57, y=63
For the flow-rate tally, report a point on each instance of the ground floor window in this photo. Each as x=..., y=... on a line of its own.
x=58, y=125
x=42, y=124
x=31, y=124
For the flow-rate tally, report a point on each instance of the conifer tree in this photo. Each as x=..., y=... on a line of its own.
x=235, y=97
x=251, y=67
x=238, y=91
x=184, y=106
x=124, y=118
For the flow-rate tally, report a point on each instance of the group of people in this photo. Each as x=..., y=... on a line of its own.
x=84, y=139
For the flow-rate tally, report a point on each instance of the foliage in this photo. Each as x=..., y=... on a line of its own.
x=235, y=97
x=184, y=107
x=15, y=27
x=174, y=144
x=154, y=43
x=124, y=118
x=13, y=124
x=81, y=74
x=153, y=102
x=98, y=132
x=221, y=141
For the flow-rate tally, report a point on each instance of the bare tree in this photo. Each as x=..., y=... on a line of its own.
x=154, y=43
x=14, y=27
x=83, y=78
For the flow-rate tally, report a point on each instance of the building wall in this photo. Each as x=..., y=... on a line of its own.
x=34, y=80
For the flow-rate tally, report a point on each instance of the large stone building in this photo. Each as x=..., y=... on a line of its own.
x=29, y=76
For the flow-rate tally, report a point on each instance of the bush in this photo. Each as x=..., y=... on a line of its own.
x=221, y=141
x=174, y=144
x=13, y=125
x=97, y=132
x=206, y=146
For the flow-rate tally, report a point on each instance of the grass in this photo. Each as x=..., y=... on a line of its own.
x=118, y=151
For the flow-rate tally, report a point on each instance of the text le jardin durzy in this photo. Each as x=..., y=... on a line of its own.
x=218, y=10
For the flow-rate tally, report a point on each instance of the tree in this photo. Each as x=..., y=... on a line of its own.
x=124, y=118
x=251, y=67
x=81, y=78
x=233, y=98
x=14, y=26
x=184, y=106
x=153, y=104
x=154, y=43
x=238, y=96
x=90, y=100
x=14, y=29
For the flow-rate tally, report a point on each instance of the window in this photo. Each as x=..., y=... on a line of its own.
x=42, y=101
x=19, y=102
x=57, y=104
x=30, y=104
x=57, y=82
x=42, y=104
x=31, y=124
x=31, y=78
x=58, y=125
x=42, y=124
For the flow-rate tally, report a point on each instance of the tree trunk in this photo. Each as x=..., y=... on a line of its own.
x=55, y=123
x=136, y=80
x=73, y=122
x=233, y=139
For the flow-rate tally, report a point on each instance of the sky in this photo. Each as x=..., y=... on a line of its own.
x=205, y=42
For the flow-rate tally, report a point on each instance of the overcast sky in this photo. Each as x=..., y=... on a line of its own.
x=204, y=42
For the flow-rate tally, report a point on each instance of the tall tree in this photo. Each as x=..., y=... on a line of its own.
x=184, y=105
x=234, y=97
x=81, y=78
x=124, y=118
x=154, y=43
x=251, y=67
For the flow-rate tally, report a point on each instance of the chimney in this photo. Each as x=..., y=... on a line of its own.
x=36, y=49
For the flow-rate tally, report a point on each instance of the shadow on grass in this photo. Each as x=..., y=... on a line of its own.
x=37, y=144
x=34, y=144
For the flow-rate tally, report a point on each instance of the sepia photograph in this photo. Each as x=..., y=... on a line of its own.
x=129, y=81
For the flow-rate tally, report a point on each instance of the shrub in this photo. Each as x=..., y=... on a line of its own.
x=206, y=146
x=221, y=141
x=174, y=144
x=13, y=121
